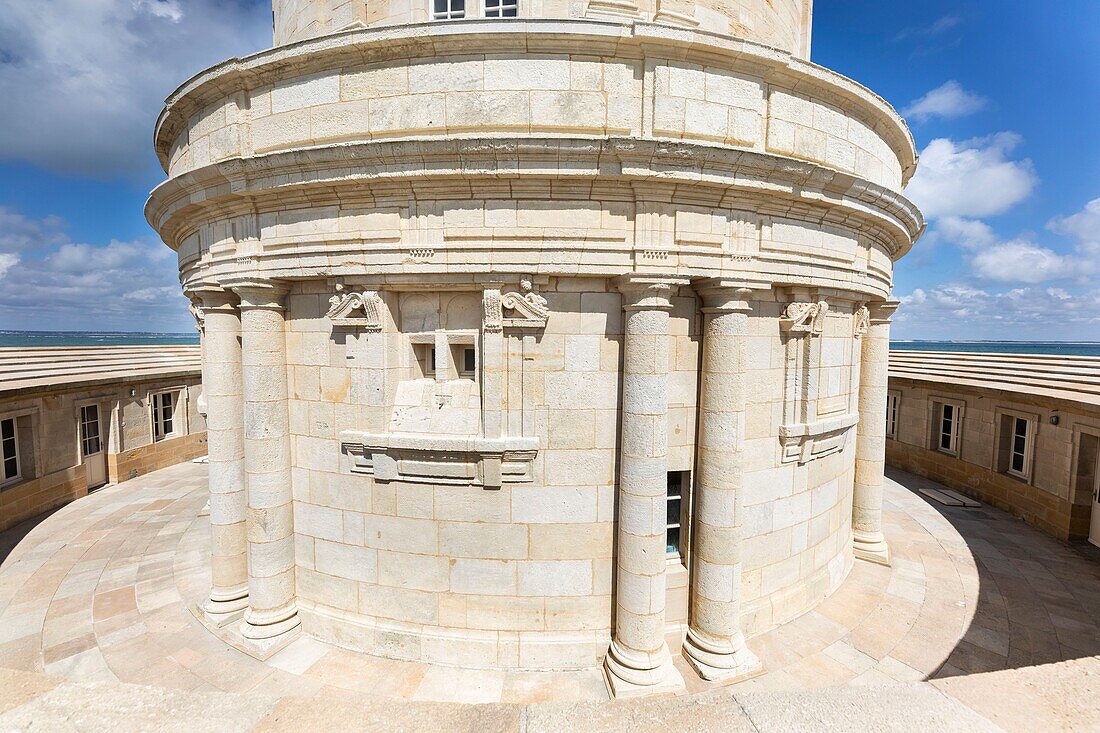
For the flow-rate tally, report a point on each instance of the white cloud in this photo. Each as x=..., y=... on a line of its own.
x=1021, y=261
x=949, y=101
x=1084, y=226
x=937, y=27
x=961, y=311
x=971, y=178
x=83, y=80
x=65, y=285
x=7, y=261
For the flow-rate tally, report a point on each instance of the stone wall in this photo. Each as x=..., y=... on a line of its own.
x=1046, y=500
x=783, y=24
x=49, y=436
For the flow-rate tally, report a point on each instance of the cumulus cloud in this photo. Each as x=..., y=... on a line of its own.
x=55, y=283
x=1022, y=261
x=83, y=82
x=949, y=101
x=961, y=311
x=1084, y=226
x=971, y=178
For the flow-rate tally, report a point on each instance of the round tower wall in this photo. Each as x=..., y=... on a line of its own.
x=781, y=24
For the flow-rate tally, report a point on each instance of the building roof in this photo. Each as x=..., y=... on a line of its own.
x=1069, y=378
x=38, y=369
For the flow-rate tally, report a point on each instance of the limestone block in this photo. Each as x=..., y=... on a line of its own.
x=347, y=561
x=305, y=91
x=554, y=504
x=485, y=577
x=554, y=578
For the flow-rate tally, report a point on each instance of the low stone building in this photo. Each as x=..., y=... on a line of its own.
x=538, y=335
x=1020, y=432
x=75, y=418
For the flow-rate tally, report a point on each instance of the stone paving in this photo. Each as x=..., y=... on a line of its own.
x=981, y=623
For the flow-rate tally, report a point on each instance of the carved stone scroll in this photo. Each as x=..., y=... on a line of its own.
x=529, y=308
x=861, y=322
x=344, y=306
x=804, y=317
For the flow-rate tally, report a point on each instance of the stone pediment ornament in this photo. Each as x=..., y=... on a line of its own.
x=804, y=317
x=527, y=308
x=862, y=321
x=360, y=310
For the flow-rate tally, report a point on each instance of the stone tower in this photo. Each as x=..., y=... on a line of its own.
x=538, y=334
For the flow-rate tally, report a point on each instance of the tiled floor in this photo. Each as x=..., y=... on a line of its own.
x=100, y=592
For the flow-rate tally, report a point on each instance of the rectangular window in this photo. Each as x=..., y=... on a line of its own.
x=448, y=9
x=1014, y=447
x=9, y=449
x=947, y=419
x=892, y=401
x=1086, y=478
x=469, y=362
x=89, y=430
x=678, y=482
x=501, y=8
x=164, y=415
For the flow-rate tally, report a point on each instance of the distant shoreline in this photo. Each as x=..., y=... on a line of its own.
x=11, y=338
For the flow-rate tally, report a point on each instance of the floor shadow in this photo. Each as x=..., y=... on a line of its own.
x=12, y=536
x=1038, y=598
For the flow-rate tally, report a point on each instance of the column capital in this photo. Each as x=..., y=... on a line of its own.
x=211, y=297
x=729, y=295
x=259, y=292
x=883, y=311
x=648, y=291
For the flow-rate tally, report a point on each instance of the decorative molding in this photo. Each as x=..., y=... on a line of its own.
x=493, y=321
x=804, y=318
x=367, y=302
x=528, y=306
x=199, y=315
x=804, y=442
x=861, y=322
x=441, y=459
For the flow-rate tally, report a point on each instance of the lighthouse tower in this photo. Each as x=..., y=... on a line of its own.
x=537, y=334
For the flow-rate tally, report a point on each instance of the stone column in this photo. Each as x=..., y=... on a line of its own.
x=715, y=646
x=638, y=661
x=222, y=388
x=868, y=540
x=272, y=607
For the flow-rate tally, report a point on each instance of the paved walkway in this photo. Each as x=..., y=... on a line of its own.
x=981, y=623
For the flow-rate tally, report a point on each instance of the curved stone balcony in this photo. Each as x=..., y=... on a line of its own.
x=979, y=617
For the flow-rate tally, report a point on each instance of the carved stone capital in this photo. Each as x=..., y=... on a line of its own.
x=861, y=321
x=720, y=295
x=259, y=292
x=648, y=292
x=804, y=318
x=882, y=312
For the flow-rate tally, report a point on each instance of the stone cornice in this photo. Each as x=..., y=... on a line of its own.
x=594, y=37
x=620, y=168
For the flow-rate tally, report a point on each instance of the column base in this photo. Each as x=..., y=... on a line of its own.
x=871, y=548
x=726, y=667
x=265, y=635
x=224, y=611
x=624, y=681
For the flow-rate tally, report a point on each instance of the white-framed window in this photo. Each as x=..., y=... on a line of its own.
x=946, y=427
x=448, y=9
x=164, y=414
x=893, y=401
x=90, y=443
x=501, y=8
x=1016, y=443
x=9, y=451
x=679, y=483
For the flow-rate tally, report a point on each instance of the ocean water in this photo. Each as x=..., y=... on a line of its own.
x=1063, y=348
x=89, y=338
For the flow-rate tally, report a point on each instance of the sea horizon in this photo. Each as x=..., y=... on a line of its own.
x=14, y=338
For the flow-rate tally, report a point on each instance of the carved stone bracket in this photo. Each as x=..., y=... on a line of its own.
x=527, y=307
x=344, y=307
x=804, y=442
x=494, y=314
x=862, y=322
x=804, y=318
x=441, y=459
x=199, y=316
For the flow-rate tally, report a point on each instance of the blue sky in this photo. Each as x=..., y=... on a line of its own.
x=1003, y=97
